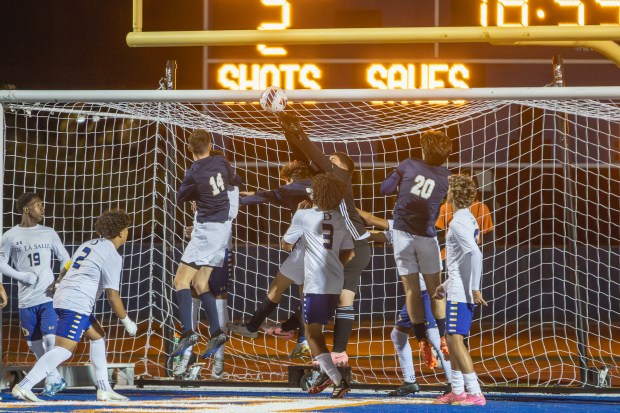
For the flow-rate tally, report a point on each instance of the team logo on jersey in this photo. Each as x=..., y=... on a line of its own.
x=25, y=331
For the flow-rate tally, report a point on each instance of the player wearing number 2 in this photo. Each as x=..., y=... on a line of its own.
x=29, y=246
x=422, y=184
x=206, y=183
x=95, y=266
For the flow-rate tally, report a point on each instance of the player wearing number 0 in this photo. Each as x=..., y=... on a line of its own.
x=29, y=246
x=422, y=185
x=328, y=246
x=462, y=288
x=206, y=183
x=95, y=266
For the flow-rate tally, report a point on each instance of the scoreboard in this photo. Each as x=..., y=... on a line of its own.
x=400, y=66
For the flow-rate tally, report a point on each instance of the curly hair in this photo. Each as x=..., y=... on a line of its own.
x=294, y=171
x=345, y=159
x=462, y=190
x=110, y=224
x=436, y=147
x=24, y=199
x=327, y=191
x=199, y=141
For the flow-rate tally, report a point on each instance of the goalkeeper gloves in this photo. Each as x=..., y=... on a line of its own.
x=130, y=326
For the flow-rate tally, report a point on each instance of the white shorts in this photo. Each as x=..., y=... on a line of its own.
x=414, y=253
x=293, y=266
x=208, y=244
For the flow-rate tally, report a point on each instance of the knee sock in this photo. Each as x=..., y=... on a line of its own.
x=49, y=341
x=100, y=363
x=210, y=307
x=328, y=366
x=345, y=317
x=38, y=347
x=471, y=382
x=435, y=339
x=184, y=300
x=222, y=315
x=405, y=358
x=44, y=365
x=458, y=383
x=264, y=309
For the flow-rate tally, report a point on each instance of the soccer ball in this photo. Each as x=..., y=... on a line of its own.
x=273, y=99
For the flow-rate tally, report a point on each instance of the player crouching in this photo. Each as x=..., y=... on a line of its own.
x=96, y=263
x=328, y=245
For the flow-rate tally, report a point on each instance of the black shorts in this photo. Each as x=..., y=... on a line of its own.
x=353, y=269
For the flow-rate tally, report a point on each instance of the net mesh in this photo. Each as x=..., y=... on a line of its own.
x=548, y=170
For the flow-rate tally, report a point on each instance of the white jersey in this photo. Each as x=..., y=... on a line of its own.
x=95, y=266
x=389, y=237
x=30, y=250
x=463, y=257
x=323, y=234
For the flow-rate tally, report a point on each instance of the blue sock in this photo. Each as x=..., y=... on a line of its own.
x=210, y=305
x=184, y=300
x=441, y=326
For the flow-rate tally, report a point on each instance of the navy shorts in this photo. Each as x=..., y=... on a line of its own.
x=72, y=325
x=403, y=317
x=38, y=321
x=319, y=308
x=220, y=276
x=459, y=316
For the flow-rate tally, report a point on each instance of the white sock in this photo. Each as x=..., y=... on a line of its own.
x=195, y=312
x=458, y=385
x=49, y=341
x=328, y=366
x=471, y=382
x=188, y=352
x=222, y=316
x=100, y=364
x=405, y=357
x=44, y=365
x=435, y=339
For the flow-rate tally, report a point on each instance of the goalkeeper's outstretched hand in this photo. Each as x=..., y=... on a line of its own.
x=130, y=326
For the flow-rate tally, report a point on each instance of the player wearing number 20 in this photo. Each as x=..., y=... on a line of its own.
x=29, y=246
x=422, y=184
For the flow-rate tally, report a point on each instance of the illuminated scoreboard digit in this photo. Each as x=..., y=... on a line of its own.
x=381, y=66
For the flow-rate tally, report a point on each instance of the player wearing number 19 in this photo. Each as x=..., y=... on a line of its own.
x=95, y=266
x=205, y=182
x=29, y=246
x=422, y=184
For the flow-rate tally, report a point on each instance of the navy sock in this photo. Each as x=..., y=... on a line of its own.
x=264, y=309
x=294, y=322
x=419, y=331
x=441, y=326
x=184, y=300
x=210, y=306
x=345, y=317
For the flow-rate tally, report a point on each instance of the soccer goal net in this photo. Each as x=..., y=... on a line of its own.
x=548, y=170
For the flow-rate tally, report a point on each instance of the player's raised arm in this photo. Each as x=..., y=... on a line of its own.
x=302, y=146
x=390, y=185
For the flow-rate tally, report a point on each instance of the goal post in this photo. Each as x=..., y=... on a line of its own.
x=87, y=151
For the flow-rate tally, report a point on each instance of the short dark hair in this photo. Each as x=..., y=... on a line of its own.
x=346, y=159
x=110, y=224
x=24, y=199
x=199, y=141
x=463, y=190
x=295, y=171
x=327, y=191
x=436, y=147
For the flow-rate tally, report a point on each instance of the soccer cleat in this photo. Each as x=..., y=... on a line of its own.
x=340, y=390
x=187, y=339
x=444, y=349
x=181, y=367
x=275, y=329
x=23, y=394
x=242, y=330
x=405, y=389
x=450, y=398
x=473, y=400
x=217, y=370
x=427, y=354
x=51, y=389
x=301, y=350
x=213, y=344
x=340, y=359
x=110, y=396
x=321, y=383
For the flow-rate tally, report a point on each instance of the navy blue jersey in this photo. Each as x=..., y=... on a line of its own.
x=421, y=190
x=205, y=182
x=288, y=196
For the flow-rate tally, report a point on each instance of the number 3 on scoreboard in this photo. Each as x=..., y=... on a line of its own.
x=423, y=187
x=282, y=25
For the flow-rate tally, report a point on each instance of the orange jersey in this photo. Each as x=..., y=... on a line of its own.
x=480, y=211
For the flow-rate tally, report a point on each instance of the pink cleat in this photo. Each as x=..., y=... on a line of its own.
x=340, y=359
x=275, y=329
x=473, y=400
x=450, y=398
